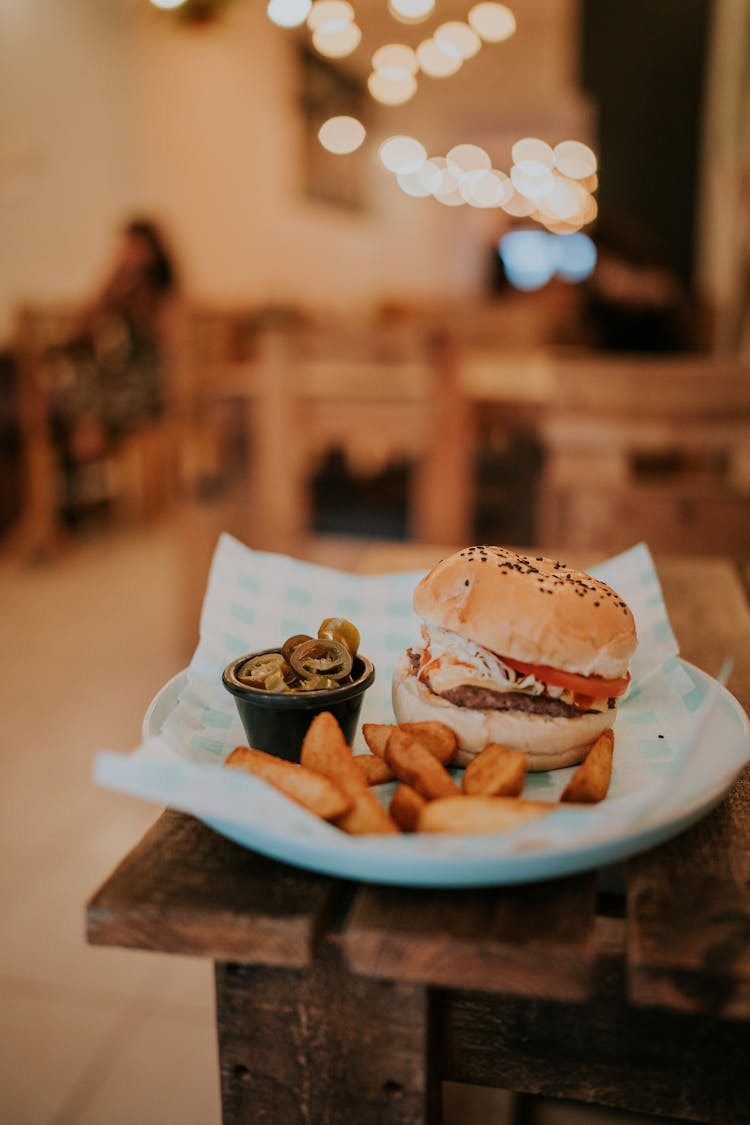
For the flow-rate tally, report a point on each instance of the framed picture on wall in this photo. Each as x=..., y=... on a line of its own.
x=327, y=90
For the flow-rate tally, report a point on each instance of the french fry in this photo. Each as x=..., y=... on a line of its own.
x=316, y=793
x=376, y=736
x=406, y=805
x=325, y=750
x=413, y=763
x=374, y=770
x=590, y=782
x=436, y=737
x=496, y=771
x=439, y=739
x=477, y=815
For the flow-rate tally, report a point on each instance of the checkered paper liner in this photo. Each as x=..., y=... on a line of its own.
x=255, y=599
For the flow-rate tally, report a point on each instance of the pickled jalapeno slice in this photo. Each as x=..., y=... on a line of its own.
x=321, y=657
x=341, y=630
x=291, y=643
x=269, y=671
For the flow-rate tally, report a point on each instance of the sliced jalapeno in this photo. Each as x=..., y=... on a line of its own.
x=291, y=643
x=321, y=657
x=269, y=671
x=341, y=630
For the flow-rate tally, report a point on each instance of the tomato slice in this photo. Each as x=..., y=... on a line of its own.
x=596, y=687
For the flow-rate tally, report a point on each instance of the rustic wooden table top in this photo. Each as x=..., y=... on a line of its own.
x=529, y=979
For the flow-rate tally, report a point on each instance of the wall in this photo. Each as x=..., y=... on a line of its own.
x=107, y=108
x=66, y=144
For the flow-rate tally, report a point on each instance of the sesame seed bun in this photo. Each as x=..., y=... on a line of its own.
x=530, y=608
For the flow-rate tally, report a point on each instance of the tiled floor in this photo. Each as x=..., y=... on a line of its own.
x=101, y=1036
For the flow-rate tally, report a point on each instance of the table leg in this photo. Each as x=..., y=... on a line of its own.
x=319, y=1046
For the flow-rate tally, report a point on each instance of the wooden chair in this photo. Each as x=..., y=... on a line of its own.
x=654, y=448
x=140, y=477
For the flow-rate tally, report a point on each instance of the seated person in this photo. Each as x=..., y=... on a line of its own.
x=110, y=378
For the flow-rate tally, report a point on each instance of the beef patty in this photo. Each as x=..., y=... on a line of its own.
x=484, y=699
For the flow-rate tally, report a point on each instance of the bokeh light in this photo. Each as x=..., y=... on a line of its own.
x=528, y=259
x=403, y=154
x=412, y=184
x=288, y=13
x=519, y=206
x=435, y=177
x=168, y=5
x=438, y=59
x=391, y=91
x=576, y=257
x=467, y=158
x=336, y=41
x=531, y=148
x=575, y=159
x=452, y=198
x=485, y=187
x=492, y=22
x=565, y=201
x=461, y=36
x=329, y=11
x=411, y=11
x=531, y=258
x=341, y=135
x=532, y=178
x=395, y=60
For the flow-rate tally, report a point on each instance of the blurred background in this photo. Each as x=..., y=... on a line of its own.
x=260, y=275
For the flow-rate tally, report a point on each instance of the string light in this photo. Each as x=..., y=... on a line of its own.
x=531, y=148
x=467, y=158
x=402, y=154
x=391, y=91
x=492, y=22
x=341, y=135
x=575, y=159
x=460, y=36
x=552, y=186
x=438, y=59
x=336, y=40
x=288, y=13
x=395, y=60
x=411, y=11
x=329, y=11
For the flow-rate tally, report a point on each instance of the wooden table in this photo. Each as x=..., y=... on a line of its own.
x=339, y=1002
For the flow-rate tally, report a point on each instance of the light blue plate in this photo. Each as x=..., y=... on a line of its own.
x=450, y=861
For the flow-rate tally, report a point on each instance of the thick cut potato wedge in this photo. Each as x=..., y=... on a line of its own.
x=496, y=771
x=590, y=782
x=326, y=751
x=413, y=763
x=406, y=805
x=438, y=738
x=478, y=815
x=316, y=793
x=375, y=770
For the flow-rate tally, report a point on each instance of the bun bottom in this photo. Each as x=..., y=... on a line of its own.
x=549, y=742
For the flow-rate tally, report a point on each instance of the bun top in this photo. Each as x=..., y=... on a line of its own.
x=530, y=608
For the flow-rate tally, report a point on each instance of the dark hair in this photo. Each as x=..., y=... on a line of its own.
x=161, y=268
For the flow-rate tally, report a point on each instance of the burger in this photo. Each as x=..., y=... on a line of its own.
x=519, y=650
